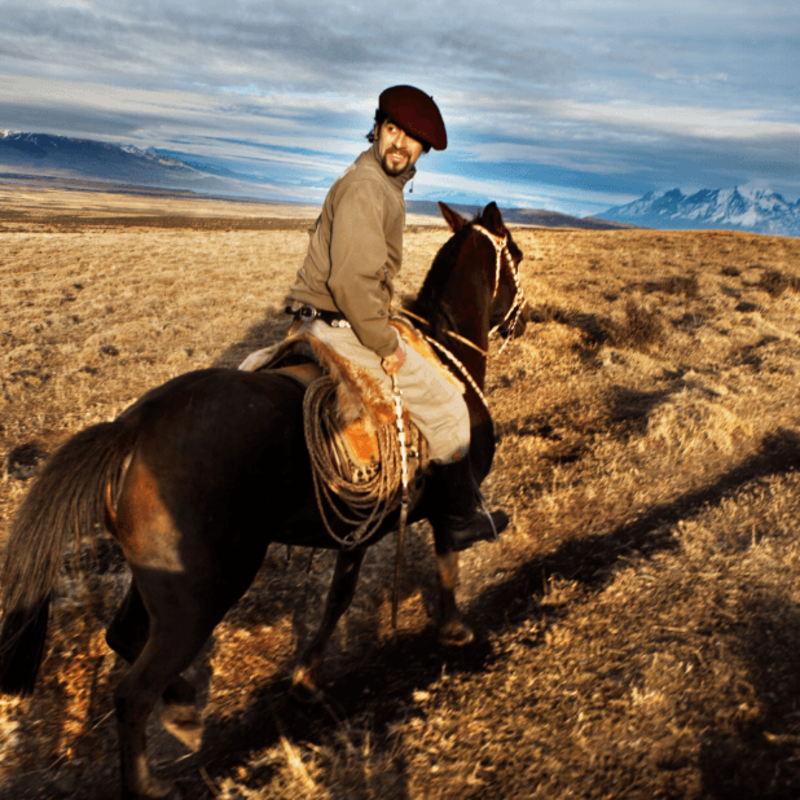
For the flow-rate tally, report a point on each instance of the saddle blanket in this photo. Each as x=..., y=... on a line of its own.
x=363, y=403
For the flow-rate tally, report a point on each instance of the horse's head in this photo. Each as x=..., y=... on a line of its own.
x=472, y=290
x=510, y=310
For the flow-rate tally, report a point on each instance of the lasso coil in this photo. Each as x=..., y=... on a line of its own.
x=362, y=503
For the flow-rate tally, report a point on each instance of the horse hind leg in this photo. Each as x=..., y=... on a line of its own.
x=340, y=595
x=180, y=715
x=127, y=635
x=175, y=637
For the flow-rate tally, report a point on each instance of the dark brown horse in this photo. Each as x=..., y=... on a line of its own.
x=185, y=478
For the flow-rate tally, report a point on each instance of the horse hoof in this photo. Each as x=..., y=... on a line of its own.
x=455, y=634
x=304, y=686
x=184, y=724
x=156, y=790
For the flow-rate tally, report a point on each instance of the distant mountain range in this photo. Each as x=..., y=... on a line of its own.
x=71, y=161
x=517, y=216
x=740, y=209
x=67, y=161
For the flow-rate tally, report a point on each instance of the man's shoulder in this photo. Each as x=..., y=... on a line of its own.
x=365, y=177
x=365, y=168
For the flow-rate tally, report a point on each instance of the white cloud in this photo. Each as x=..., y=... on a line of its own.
x=706, y=123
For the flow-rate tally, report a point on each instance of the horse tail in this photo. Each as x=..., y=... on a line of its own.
x=67, y=501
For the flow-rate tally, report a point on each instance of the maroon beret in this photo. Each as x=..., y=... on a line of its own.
x=416, y=114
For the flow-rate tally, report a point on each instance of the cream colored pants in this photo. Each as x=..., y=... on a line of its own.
x=434, y=404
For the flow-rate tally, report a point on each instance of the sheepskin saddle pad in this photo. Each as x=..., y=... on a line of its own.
x=363, y=404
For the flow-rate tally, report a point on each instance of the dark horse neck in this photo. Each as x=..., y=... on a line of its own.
x=456, y=302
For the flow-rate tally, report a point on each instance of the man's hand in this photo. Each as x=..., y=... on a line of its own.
x=393, y=362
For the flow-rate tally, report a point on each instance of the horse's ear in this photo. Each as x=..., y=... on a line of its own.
x=493, y=221
x=454, y=220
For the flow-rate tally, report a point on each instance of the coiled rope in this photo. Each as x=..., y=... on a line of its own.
x=362, y=499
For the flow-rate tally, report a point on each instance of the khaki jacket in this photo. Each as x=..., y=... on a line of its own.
x=356, y=251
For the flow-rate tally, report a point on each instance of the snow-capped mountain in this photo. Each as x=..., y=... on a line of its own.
x=40, y=154
x=742, y=209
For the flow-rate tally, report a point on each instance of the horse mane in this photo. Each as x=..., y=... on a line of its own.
x=428, y=303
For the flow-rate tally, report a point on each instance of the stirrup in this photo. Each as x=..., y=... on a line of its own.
x=464, y=537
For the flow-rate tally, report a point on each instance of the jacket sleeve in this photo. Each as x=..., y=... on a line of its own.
x=358, y=279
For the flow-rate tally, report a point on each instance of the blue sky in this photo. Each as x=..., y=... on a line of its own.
x=567, y=105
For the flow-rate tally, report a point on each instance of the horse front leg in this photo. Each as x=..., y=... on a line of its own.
x=340, y=595
x=452, y=628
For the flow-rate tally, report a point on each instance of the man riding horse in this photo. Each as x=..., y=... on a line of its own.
x=343, y=293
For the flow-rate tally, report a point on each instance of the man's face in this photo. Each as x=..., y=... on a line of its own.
x=398, y=151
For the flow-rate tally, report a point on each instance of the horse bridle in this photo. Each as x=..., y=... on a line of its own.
x=503, y=258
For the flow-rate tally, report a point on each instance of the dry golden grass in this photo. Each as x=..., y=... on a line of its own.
x=638, y=626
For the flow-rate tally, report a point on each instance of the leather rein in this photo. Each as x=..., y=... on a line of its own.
x=503, y=259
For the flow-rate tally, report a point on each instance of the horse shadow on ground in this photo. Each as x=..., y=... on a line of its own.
x=758, y=756
x=381, y=684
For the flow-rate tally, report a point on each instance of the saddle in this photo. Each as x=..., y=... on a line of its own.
x=362, y=406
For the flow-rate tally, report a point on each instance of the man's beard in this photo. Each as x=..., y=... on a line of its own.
x=391, y=167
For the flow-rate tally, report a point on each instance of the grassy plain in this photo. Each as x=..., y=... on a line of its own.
x=639, y=624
